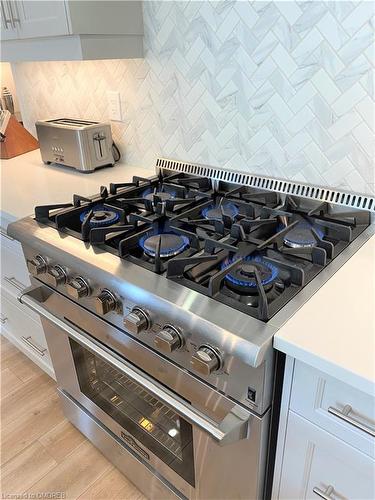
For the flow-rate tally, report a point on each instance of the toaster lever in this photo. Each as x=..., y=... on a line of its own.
x=99, y=143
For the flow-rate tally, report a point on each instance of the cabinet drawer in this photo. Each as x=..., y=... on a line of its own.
x=335, y=406
x=316, y=464
x=14, y=273
x=16, y=321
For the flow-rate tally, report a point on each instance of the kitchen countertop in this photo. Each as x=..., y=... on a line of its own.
x=335, y=330
x=26, y=181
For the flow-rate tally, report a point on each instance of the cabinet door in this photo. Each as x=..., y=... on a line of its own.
x=315, y=464
x=41, y=18
x=9, y=23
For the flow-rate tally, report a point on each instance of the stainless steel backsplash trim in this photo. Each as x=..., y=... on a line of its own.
x=318, y=193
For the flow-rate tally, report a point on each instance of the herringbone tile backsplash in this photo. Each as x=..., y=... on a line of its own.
x=281, y=88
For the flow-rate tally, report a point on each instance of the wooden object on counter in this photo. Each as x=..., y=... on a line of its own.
x=17, y=140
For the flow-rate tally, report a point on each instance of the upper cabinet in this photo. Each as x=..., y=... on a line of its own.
x=70, y=30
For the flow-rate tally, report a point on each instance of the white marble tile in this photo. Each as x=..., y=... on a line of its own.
x=326, y=86
x=348, y=99
x=317, y=157
x=366, y=109
x=365, y=138
x=332, y=31
x=356, y=19
x=300, y=120
x=284, y=60
x=344, y=125
x=280, y=108
x=290, y=10
x=357, y=44
x=302, y=97
x=298, y=143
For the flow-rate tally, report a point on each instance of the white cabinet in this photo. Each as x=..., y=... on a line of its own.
x=326, y=440
x=55, y=30
x=41, y=18
x=9, y=28
x=316, y=464
x=18, y=324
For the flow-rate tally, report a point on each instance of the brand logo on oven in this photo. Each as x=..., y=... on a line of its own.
x=131, y=442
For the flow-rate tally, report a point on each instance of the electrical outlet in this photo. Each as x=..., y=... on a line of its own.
x=114, y=105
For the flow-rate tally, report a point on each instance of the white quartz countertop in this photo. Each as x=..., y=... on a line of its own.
x=27, y=182
x=335, y=330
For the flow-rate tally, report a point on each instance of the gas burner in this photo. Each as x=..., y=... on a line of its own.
x=242, y=278
x=102, y=216
x=213, y=212
x=149, y=194
x=301, y=236
x=170, y=244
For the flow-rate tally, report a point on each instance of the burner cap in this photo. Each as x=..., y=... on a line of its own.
x=301, y=236
x=170, y=245
x=242, y=279
x=102, y=216
x=215, y=212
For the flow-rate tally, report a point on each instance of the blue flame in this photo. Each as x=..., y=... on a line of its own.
x=252, y=284
x=100, y=208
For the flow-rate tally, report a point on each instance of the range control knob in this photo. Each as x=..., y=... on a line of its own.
x=206, y=360
x=168, y=339
x=137, y=321
x=105, y=302
x=37, y=265
x=78, y=288
x=56, y=276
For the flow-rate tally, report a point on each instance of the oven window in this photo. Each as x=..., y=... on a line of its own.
x=156, y=426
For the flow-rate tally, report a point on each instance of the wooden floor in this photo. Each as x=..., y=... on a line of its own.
x=41, y=452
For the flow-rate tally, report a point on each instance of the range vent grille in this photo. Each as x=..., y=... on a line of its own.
x=318, y=193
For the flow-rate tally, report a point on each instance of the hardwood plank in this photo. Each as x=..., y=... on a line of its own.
x=62, y=440
x=112, y=486
x=25, y=469
x=7, y=349
x=72, y=476
x=26, y=369
x=9, y=382
x=26, y=399
x=31, y=426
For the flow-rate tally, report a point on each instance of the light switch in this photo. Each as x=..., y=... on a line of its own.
x=114, y=105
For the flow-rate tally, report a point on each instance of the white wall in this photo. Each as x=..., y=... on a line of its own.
x=282, y=88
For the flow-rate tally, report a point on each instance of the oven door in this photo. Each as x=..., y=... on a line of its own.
x=186, y=431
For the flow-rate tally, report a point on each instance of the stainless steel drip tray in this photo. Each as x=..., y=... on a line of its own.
x=199, y=394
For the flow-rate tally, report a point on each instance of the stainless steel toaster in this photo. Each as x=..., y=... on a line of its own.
x=81, y=144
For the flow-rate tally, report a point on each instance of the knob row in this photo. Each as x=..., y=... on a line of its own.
x=55, y=275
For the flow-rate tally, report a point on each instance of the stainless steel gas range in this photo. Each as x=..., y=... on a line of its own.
x=159, y=300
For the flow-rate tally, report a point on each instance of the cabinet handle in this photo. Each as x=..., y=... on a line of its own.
x=3, y=319
x=13, y=19
x=5, y=22
x=344, y=415
x=14, y=282
x=2, y=230
x=324, y=494
x=31, y=344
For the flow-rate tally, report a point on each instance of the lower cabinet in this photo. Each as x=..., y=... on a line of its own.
x=25, y=331
x=326, y=440
x=18, y=324
x=316, y=464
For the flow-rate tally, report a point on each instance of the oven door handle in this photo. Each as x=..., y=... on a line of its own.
x=232, y=428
